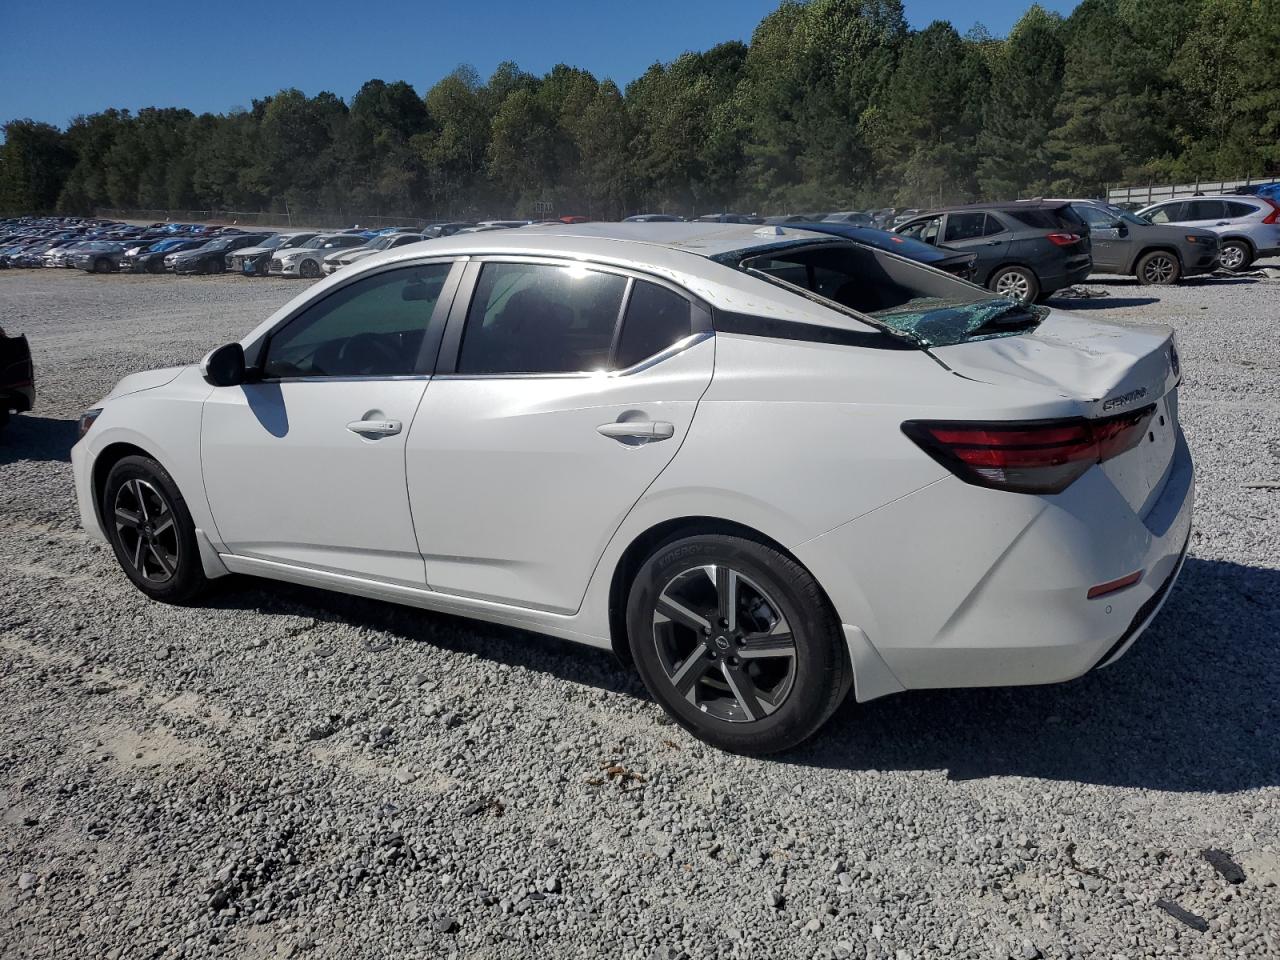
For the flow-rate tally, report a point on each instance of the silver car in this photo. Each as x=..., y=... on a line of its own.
x=1249, y=226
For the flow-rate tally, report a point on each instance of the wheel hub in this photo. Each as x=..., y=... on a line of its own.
x=724, y=644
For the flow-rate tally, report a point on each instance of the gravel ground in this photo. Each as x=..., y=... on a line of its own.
x=283, y=772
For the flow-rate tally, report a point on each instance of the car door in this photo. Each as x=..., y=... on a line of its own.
x=980, y=233
x=1109, y=237
x=546, y=421
x=305, y=465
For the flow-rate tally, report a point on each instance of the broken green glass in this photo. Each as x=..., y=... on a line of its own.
x=937, y=322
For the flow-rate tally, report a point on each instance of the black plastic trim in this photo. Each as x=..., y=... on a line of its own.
x=725, y=321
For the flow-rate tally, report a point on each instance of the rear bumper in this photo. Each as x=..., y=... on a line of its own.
x=995, y=593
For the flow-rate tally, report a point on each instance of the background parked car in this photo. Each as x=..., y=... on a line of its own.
x=253, y=261
x=653, y=218
x=1249, y=227
x=1026, y=249
x=17, y=376
x=211, y=257
x=305, y=260
x=856, y=217
x=1123, y=243
x=959, y=263
x=100, y=256
x=341, y=258
x=150, y=259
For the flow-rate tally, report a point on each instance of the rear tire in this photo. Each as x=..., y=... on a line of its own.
x=1159, y=268
x=151, y=531
x=1236, y=255
x=737, y=643
x=1016, y=283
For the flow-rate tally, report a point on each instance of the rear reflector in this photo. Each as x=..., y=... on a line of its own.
x=1111, y=586
x=1063, y=239
x=1028, y=456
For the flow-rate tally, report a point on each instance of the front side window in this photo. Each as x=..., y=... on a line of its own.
x=656, y=319
x=539, y=318
x=926, y=230
x=1169, y=213
x=373, y=327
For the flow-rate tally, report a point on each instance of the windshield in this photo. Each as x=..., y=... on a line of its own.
x=302, y=240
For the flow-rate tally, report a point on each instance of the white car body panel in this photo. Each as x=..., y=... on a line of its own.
x=288, y=481
x=515, y=492
x=500, y=500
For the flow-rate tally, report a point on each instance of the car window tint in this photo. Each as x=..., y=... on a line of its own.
x=537, y=318
x=992, y=227
x=370, y=328
x=964, y=226
x=1204, y=210
x=1236, y=209
x=1169, y=213
x=1095, y=217
x=656, y=318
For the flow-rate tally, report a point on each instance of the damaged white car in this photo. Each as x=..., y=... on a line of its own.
x=765, y=466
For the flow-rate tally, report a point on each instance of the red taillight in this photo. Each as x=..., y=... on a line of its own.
x=1274, y=216
x=1063, y=239
x=1035, y=456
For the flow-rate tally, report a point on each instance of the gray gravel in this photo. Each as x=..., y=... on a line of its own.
x=283, y=772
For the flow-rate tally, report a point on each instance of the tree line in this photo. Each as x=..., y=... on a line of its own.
x=834, y=104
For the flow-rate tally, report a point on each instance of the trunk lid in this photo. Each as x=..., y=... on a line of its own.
x=1107, y=370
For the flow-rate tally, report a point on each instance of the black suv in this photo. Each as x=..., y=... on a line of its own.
x=1026, y=249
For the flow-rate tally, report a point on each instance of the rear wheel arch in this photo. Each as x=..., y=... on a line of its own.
x=644, y=544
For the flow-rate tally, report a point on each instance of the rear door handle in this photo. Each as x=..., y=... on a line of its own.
x=638, y=430
x=375, y=428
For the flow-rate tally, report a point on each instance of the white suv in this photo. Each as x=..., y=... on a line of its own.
x=1249, y=226
x=763, y=465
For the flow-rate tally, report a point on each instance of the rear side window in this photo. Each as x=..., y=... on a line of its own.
x=1236, y=209
x=1204, y=210
x=964, y=226
x=656, y=319
x=537, y=318
x=1042, y=219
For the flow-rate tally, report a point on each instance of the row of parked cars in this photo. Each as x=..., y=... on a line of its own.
x=1024, y=249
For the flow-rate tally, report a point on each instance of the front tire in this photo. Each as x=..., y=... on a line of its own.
x=1159, y=268
x=151, y=531
x=737, y=642
x=1236, y=255
x=308, y=269
x=102, y=265
x=1016, y=283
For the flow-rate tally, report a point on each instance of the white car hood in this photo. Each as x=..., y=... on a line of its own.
x=146, y=380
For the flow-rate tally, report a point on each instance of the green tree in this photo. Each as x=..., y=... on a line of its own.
x=35, y=162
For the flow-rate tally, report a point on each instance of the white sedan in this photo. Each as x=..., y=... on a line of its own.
x=387, y=241
x=764, y=466
x=306, y=260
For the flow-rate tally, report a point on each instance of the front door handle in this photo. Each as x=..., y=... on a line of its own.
x=375, y=428
x=638, y=430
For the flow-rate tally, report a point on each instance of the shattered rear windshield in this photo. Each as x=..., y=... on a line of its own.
x=938, y=322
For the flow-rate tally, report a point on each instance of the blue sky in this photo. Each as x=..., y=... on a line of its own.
x=76, y=57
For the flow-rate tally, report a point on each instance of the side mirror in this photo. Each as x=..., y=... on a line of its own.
x=224, y=366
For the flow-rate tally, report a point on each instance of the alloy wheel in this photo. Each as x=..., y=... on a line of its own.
x=147, y=532
x=1159, y=269
x=1013, y=285
x=724, y=643
x=1232, y=257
